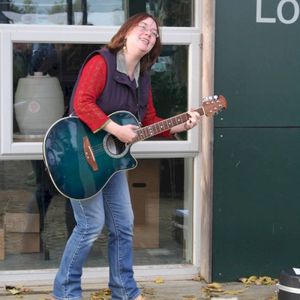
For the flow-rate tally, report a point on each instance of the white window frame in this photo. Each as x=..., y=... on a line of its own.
x=9, y=149
x=95, y=35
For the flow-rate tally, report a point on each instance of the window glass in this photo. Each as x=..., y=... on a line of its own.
x=178, y=13
x=60, y=12
x=169, y=82
x=43, y=79
x=36, y=220
x=44, y=76
x=95, y=12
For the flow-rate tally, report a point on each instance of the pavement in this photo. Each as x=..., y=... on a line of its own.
x=159, y=290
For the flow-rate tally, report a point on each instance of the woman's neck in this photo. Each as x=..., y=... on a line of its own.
x=131, y=62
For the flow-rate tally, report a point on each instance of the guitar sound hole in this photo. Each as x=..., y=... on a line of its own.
x=114, y=147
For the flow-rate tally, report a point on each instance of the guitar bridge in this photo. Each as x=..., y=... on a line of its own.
x=89, y=155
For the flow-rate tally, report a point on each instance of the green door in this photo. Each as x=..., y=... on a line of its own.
x=256, y=212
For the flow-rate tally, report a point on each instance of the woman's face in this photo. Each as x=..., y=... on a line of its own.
x=142, y=37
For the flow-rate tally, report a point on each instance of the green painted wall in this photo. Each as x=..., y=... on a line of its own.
x=256, y=214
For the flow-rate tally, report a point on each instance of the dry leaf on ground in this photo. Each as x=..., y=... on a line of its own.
x=198, y=278
x=215, y=288
x=259, y=280
x=102, y=294
x=159, y=280
x=17, y=290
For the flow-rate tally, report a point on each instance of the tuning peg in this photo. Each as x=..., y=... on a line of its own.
x=216, y=97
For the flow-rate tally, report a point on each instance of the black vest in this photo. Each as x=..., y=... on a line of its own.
x=120, y=93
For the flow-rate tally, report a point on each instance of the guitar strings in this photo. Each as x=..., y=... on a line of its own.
x=99, y=149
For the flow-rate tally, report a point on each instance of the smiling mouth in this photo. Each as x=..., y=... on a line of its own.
x=145, y=41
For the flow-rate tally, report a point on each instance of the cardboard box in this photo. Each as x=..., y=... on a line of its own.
x=18, y=201
x=144, y=186
x=21, y=222
x=146, y=236
x=2, y=250
x=18, y=242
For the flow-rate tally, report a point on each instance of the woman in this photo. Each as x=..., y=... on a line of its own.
x=112, y=79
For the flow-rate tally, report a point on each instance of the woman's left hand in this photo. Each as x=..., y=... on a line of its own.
x=193, y=120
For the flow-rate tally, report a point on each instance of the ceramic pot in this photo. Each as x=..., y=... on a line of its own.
x=39, y=102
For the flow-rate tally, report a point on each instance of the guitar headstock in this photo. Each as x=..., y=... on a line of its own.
x=213, y=104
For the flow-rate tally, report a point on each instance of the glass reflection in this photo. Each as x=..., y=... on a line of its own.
x=43, y=80
x=178, y=13
x=161, y=201
x=95, y=12
x=60, y=12
x=44, y=76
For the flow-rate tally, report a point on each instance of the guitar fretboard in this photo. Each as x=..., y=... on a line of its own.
x=164, y=125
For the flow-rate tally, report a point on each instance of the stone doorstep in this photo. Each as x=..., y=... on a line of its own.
x=169, y=290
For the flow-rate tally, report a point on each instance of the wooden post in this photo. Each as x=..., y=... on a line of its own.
x=206, y=180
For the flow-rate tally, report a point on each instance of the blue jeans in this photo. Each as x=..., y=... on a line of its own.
x=112, y=207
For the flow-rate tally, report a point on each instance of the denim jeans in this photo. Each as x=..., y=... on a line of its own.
x=112, y=207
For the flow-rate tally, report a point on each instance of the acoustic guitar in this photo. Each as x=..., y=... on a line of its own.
x=81, y=162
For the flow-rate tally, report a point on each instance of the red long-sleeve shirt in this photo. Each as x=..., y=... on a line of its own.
x=90, y=86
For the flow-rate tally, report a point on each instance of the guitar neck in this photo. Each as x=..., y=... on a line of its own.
x=164, y=125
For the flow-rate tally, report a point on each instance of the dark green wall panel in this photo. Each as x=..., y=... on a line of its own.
x=256, y=202
x=257, y=64
x=256, y=223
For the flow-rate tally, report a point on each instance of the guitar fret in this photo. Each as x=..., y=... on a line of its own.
x=140, y=135
x=175, y=120
x=145, y=134
x=156, y=128
x=150, y=131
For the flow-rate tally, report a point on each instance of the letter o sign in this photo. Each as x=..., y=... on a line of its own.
x=296, y=11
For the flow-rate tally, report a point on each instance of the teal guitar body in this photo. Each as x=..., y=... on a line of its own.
x=81, y=162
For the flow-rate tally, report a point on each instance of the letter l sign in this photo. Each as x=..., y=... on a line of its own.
x=259, y=18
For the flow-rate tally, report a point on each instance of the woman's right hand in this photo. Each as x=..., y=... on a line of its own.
x=125, y=133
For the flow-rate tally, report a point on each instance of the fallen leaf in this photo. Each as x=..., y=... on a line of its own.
x=102, y=294
x=216, y=289
x=159, y=280
x=214, y=285
x=198, y=278
x=261, y=280
x=17, y=290
x=14, y=291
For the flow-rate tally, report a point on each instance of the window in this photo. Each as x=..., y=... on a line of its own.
x=37, y=220
x=178, y=67
x=96, y=12
x=49, y=48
